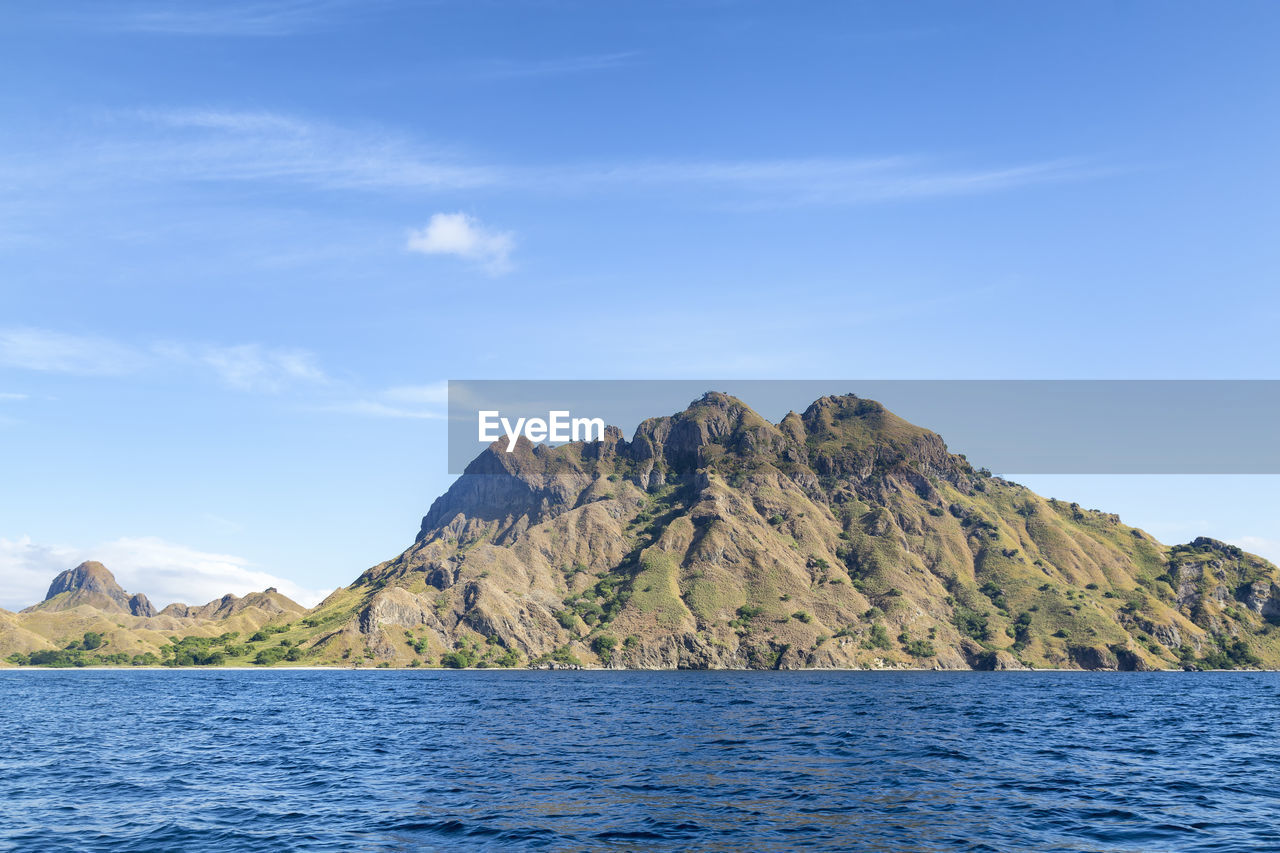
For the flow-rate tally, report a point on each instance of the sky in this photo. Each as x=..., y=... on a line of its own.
x=244, y=245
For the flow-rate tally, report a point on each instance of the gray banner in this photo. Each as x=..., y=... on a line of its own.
x=1008, y=426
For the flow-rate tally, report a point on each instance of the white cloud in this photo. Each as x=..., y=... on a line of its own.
x=376, y=409
x=424, y=402
x=228, y=145
x=464, y=236
x=27, y=568
x=261, y=18
x=164, y=571
x=1263, y=547
x=212, y=145
x=250, y=367
x=437, y=392
x=57, y=352
x=245, y=367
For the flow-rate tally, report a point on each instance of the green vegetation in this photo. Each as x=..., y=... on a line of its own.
x=919, y=648
x=878, y=638
x=604, y=645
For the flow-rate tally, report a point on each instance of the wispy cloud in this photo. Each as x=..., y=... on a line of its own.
x=283, y=17
x=250, y=367
x=162, y=147
x=244, y=367
x=165, y=571
x=194, y=146
x=815, y=181
x=420, y=402
x=57, y=352
x=465, y=237
x=497, y=69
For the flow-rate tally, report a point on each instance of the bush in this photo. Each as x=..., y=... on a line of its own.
x=57, y=658
x=878, y=638
x=267, y=657
x=971, y=623
x=920, y=649
x=603, y=645
x=803, y=616
x=563, y=655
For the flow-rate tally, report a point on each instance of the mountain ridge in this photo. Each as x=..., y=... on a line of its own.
x=840, y=537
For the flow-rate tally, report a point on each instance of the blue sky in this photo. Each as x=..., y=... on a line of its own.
x=242, y=245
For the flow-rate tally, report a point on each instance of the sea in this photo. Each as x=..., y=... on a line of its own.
x=383, y=760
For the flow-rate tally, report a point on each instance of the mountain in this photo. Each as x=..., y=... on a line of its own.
x=91, y=584
x=87, y=618
x=840, y=537
x=270, y=601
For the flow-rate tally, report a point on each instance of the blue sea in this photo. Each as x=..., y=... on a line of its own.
x=222, y=760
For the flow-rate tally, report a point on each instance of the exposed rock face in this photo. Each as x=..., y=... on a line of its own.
x=1093, y=657
x=841, y=537
x=88, y=584
x=140, y=605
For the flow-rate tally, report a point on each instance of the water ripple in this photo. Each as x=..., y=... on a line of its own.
x=388, y=761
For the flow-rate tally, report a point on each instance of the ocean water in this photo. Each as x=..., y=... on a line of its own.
x=393, y=760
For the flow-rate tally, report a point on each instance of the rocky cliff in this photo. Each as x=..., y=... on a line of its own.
x=842, y=536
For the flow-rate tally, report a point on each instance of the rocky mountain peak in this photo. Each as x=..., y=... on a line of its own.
x=90, y=576
x=91, y=583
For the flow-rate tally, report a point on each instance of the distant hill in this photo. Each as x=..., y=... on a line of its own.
x=90, y=584
x=840, y=537
x=88, y=619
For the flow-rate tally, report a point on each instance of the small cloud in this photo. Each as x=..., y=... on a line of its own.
x=421, y=394
x=56, y=352
x=252, y=367
x=464, y=236
x=12, y=397
x=422, y=402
